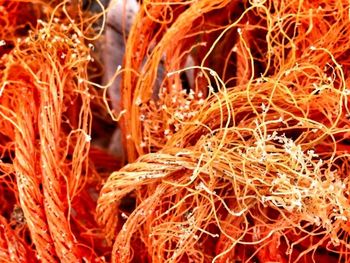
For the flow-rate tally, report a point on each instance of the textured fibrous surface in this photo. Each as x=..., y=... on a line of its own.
x=222, y=137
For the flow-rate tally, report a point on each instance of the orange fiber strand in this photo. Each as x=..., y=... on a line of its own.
x=48, y=107
x=12, y=247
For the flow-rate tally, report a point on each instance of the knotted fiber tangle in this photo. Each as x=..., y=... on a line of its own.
x=234, y=117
